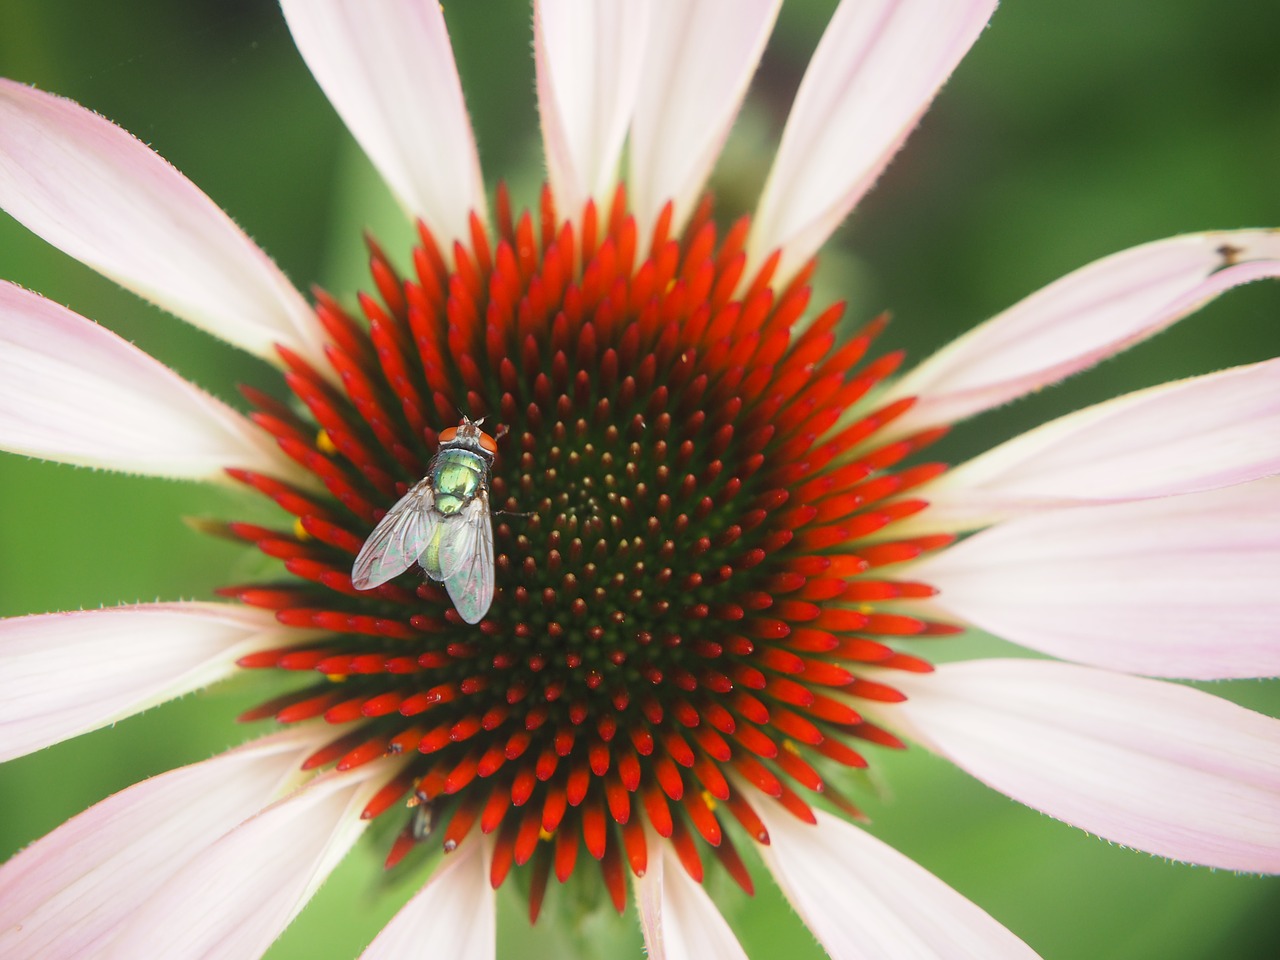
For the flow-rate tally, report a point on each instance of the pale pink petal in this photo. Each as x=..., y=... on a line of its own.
x=64, y=674
x=677, y=918
x=453, y=916
x=699, y=60
x=62, y=897
x=388, y=70
x=74, y=392
x=102, y=196
x=1085, y=317
x=1176, y=587
x=864, y=900
x=1192, y=435
x=879, y=64
x=589, y=56
x=240, y=893
x=1145, y=763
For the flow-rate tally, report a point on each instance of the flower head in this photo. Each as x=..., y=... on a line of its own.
x=636, y=633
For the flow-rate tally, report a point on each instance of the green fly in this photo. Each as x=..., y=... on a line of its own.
x=443, y=523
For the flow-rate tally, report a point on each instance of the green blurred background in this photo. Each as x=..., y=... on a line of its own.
x=1072, y=130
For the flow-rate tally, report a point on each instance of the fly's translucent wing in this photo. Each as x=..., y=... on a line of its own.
x=466, y=551
x=454, y=542
x=398, y=538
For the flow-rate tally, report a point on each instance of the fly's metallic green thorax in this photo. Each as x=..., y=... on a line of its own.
x=457, y=474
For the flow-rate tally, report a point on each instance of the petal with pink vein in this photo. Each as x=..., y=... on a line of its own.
x=74, y=392
x=589, y=56
x=1173, y=587
x=388, y=70
x=64, y=896
x=454, y=913
x=677, y=918
x=699, y=61
x=1150, y=764
x=1082, y=319
x=879, y=64
x=1197, y=434
x=240, y=893
x=864, y=900
x=64, y=674
x=104, y=197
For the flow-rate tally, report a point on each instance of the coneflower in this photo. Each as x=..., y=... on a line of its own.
x=714, y=518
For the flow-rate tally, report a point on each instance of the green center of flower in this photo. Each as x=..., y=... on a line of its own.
x=691, y=515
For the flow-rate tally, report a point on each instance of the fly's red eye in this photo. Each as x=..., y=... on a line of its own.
x=449, y=434
x=488, y=442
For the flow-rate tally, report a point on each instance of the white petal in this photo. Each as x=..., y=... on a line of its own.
x=388, y=69
x=62, y=897
x=240, y=893
x=64, y=674
x=699, y=60
x=677, y=918
x=1176, y=438
x=102, y=196
x=590, y=58
x=1175, y=587
x=1085, y=317
x=453, y=916
x=879, y=64
x=864, y=900
x=75, y=392
x=1149, y=764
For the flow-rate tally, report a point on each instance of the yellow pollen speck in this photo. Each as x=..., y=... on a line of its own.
x=790, y=747
x=545, y=835
x=710, y=801
x=325, y=443
x=299, y=530
x=336, y=677
x=866, y=608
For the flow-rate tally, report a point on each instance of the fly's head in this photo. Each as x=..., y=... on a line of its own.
x=467, y=435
